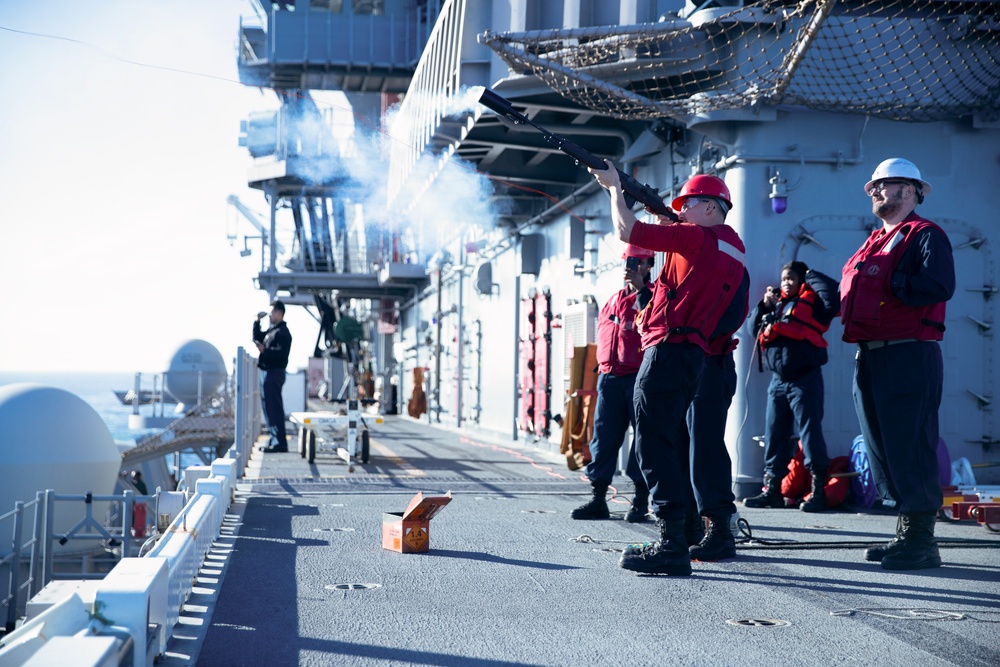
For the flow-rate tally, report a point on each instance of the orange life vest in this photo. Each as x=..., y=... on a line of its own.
x=794, y=318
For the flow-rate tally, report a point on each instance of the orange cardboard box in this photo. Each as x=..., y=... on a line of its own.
x=410, y=531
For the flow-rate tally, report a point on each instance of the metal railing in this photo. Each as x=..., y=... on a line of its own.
x=13, y=564
x=247, y=406
x=141, y=598
x=117, y=542
x=31, y=564
x=435, y=84
x=161, y=392
x=33, y=560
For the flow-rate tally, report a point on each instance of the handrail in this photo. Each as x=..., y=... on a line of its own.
x=247, y=406
x=13, y=559
x=153, y=594
x=31, y=562
x=87, y=529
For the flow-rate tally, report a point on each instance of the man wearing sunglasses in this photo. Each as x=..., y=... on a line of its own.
x=703, y=269
x=619, y=355
x=893, y=295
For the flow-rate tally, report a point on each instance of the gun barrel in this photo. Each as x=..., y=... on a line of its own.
x=634, y=191
x=495, y=102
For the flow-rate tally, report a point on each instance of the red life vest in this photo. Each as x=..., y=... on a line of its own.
x=619, y=346
x=793, y=318
x=695, y=286
x=870, y=310
x=722, y=345
x=724, y=342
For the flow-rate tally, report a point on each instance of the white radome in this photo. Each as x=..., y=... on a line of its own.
x=52, y=439
x=193, y=360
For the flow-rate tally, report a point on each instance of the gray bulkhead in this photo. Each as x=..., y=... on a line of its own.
x=829, y=217
x=822, y=158
x=826, y=159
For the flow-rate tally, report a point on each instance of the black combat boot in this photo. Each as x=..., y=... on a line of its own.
x=640, y=504
x=668, y=555
x=817, y=499
x=892, y=546
x=771, y=497
x=597, y=508
x=694, y=527
x=918, y=548
x=718, y=542
x=694, y=533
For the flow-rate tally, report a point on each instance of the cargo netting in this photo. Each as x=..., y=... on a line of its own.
x=907, y=60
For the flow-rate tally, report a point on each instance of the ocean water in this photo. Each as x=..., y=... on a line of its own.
x=97, y=390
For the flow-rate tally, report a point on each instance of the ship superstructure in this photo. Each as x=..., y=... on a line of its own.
x=792, y=103
x=453, y=244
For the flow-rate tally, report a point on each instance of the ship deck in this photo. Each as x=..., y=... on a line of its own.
x=299, y=576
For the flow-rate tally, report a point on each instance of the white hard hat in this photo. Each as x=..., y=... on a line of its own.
x=897, y=167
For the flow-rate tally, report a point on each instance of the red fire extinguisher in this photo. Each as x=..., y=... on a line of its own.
x=139, y=520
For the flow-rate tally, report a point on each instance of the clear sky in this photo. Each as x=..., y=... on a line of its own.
x=119, y=126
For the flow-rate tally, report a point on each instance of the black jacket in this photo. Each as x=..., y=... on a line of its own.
x=277, y=344
x=788, y=358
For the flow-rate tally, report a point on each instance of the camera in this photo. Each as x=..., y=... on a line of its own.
x=632, y=263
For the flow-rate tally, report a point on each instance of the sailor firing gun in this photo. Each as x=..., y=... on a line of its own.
x=633, y=189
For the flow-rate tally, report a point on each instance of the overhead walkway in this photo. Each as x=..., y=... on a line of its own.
x=368, y=49
x=351, y=45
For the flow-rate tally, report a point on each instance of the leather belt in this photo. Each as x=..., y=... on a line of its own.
x=869, y=345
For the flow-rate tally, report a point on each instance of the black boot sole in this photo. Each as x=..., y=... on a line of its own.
x=642, y=567
x=706, y=556
x=758, y=502
x=812, y=510
x=924, y=564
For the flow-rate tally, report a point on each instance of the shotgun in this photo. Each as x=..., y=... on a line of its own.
x=633, y=189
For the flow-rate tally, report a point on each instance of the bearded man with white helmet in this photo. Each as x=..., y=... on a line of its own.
x=704, y=268
x=893, y=295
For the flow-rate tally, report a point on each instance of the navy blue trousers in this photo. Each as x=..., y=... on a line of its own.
x=897, y=394
x=271, y=383
x=664, y=389
x=795, y=407
x=701, y=443
x=614, y=413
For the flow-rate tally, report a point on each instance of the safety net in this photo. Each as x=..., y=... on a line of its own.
x=908, y=60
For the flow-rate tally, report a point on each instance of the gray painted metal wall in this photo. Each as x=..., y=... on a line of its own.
x=825, y=159
x=827, y=205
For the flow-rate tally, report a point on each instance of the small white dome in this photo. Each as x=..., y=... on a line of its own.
x=194, y=360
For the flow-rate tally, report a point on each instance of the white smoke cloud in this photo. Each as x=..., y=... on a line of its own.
x=443, y=195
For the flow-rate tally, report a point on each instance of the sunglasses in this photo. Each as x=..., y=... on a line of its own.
x=692, y=202
x=882, y=185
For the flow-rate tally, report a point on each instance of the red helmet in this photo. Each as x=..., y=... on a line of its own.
x=636, y=251
x=703, y=185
